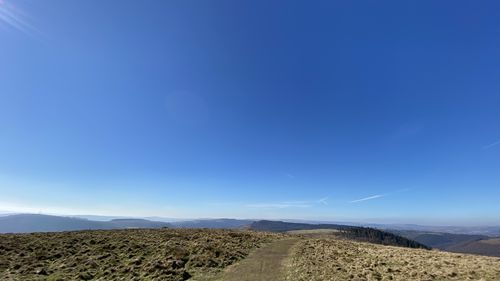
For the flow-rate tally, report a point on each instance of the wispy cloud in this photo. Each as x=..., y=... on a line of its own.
x=491, y=145
x=290, y=175
x=368, y=198
x=323, y=201
x=288, y=204
x=381, y=195
x=14, y=18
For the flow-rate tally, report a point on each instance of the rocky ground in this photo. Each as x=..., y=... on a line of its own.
x=142, y=254
x=338, y=259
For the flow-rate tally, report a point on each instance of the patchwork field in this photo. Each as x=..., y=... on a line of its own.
x=160, y=254
x=338, y=259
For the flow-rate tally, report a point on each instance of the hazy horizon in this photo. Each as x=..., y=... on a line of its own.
x=365, y=221
x=338, y=111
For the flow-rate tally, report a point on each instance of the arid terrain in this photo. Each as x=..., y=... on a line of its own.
x=339, y=259
x=154, y=254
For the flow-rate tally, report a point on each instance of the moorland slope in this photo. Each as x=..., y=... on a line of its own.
x=134, y=254
x=226, y=255
x=340, y=259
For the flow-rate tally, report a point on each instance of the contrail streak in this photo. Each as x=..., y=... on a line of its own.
x=368, y=198
x=491, y=145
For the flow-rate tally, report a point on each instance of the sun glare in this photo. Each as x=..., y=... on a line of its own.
x=14, y=18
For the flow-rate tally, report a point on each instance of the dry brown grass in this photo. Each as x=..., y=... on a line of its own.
x=155, y=254
x=336, y=259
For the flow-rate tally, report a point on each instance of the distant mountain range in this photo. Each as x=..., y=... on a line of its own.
x=23, y=223
x=213, y=223
x=492, y=231
x=44, y=223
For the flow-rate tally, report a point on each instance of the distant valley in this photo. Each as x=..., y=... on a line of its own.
x=458, y=243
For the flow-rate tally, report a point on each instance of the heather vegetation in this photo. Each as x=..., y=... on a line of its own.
x=231, y=255
x=142, y=254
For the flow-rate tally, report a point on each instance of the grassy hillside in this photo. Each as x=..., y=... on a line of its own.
x=337, y=259
x=139, y=254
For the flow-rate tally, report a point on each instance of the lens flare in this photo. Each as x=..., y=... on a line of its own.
x=14, y=18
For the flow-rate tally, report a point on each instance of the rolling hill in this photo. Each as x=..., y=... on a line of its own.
x=458, y=243
x=438, y=240
x=486, y=247
x=366, y=234
x=213, y=223
x=44, y=223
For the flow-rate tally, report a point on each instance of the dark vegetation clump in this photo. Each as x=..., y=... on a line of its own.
x=365, y=234
x=377, y=236
x=135, y=254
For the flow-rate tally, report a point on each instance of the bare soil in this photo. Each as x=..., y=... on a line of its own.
x=264, y=264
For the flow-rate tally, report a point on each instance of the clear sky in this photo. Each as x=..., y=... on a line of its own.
x=381, y=111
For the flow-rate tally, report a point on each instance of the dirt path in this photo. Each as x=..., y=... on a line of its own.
x=264, y=264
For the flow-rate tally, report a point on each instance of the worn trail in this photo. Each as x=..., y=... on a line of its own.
x=264, y=264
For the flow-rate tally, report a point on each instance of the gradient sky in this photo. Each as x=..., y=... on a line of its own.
x=380, y=111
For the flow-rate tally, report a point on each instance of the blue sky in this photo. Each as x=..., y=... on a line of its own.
x=380, y=111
